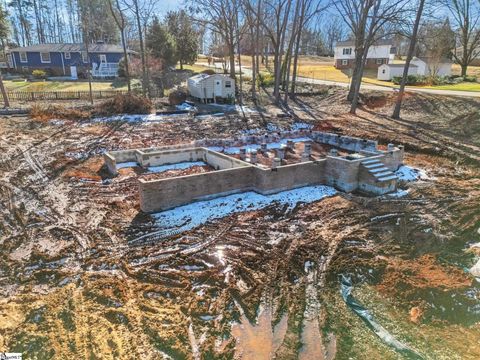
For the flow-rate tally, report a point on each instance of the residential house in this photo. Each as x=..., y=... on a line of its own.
x=425, y=66
x=67, y=59
x=475, y=55
x=382, y=52
x=208, y=88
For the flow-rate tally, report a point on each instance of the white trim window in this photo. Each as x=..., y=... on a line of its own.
x=68, y=55
x=9, y=60
x=84, y=57
x=23, y=56
x=103, y=58
x=379, y=61
x=228, y=84
x=347, y=51
x=45, y=57
x=344, y=62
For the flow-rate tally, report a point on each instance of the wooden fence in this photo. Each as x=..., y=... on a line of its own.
x=64, y=95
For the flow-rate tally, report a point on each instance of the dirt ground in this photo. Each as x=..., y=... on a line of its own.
x=84, y=274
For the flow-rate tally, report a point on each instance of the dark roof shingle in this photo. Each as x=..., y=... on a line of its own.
x=93, y=48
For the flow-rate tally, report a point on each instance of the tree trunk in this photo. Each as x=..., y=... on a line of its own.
x=6, y=102
x=142, y=49
x=411, y=49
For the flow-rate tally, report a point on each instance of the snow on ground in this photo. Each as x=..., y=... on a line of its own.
x=301, y=126
x=399, y=193
x=407, y=173
x=128, y=164
x=137, y=118
x=189, y=216
x=250, y=147
x=177, y=166
x=185, y=106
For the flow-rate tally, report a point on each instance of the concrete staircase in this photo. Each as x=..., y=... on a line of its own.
x=377, y=178
x=378, y=170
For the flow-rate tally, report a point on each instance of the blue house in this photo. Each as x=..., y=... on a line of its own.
x=67, y=59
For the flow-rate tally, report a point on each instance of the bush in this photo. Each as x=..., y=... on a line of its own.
x=39, y=74
x=208, y=72
x=265, y=80
x=177, y=97
x=125, y=104
x=45, y=113
x=470, y=78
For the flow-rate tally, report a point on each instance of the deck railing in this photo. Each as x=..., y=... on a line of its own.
x=66, y=95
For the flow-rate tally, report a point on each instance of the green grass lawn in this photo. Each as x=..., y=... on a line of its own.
x=79, y=85
x=464, y=86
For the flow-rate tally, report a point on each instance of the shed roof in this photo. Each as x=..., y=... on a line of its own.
x=430, y=59
x=377, y=43
x=399, y=65
x=72, y=47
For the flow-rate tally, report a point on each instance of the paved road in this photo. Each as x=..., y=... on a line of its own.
x=474, y=94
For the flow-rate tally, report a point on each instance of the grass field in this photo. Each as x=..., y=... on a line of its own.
x=79, y=85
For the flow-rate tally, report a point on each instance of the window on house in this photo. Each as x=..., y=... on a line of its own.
x=103, y=58
x=67, y=55
x=84, y=56
x=379, y=61
x=347, y=51
x=23, y=57
x=9, y=59
x=45, y=57
x=344, y=62
x=228, y=84
x=383, y=71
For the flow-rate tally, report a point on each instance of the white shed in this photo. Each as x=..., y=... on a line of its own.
x=431, y=66
x=207, y=87
x=388, y=71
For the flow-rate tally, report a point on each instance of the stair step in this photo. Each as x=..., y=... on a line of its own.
x=388, y=178
x=383, y=174
x=377, y=170
x=371, y=161
x=373, y=165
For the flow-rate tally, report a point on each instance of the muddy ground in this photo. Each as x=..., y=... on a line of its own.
x=84, y=274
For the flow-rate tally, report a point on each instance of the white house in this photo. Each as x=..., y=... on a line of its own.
x=382, y=52
x=207, y=87
x=418, y=66
x=432, y=66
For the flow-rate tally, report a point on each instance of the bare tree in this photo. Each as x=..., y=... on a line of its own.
x=85, y=22
x=411, y=50
x=121, y=21
x=466, y=17
x=368, y=20
x=220, y=16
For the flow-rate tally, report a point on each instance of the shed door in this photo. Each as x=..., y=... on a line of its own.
x=218, y=88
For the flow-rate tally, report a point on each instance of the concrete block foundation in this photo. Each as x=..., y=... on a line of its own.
x=368, y=169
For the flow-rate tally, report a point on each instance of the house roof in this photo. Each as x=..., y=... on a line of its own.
x=352, y=42
x=93, y=48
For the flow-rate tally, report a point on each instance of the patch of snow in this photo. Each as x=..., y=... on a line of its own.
x=407, y=173
x=274, y=145
x=189, y=216
x=177, y=166
x=399, y=193
x=300, y=126
x=192, y=267
x=128, y=164
x=308, y=265
x=185, y=106
x=207, y=317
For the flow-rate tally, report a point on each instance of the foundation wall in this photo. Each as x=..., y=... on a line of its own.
x=110, y=163
x=171, y=157
x=222, y=161
x=393, y=159
x=289, y=176
x=342, y=173
x=168, y=193
x=124, y=155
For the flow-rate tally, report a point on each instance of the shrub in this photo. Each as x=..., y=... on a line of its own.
x=39, y=74
x=265, y=80
x=208, y=72
x=125, y=104
x=45, y=113
x=470, y=78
